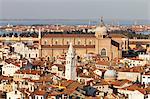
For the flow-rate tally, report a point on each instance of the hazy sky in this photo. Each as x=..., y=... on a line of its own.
x=75, y=9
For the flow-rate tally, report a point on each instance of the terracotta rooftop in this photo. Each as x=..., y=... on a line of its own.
x=34, y=72
x=70, y=87
x=5, y=78
x=147, y=73
x=136, y=87
x=40, y=92
x=15, y=62
x=103, y=63
x=38, y=63
x=138, y=69
x=120, y=82
x=113, y=35
x=132, y=87
x=100, y=82
x=136, y=59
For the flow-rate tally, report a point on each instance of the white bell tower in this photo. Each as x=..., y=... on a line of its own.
x=39, y=35
x=70, y=68
x=40, y=47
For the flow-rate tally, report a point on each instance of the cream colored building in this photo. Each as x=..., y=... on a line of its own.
x=132, y=62
x=108, y=46
x=26, y=51
x=132, y=94
x=14, y=95
x=130, y=75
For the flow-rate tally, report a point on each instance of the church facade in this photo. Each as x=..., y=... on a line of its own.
x=108, y=46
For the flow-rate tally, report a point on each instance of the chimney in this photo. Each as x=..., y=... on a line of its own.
x=41, y=71
x=30, y=70
x=45, y=64
x=21, y=63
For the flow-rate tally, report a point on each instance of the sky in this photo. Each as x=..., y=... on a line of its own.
x=74, y=9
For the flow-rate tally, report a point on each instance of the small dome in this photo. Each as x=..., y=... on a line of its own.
x=110, y=74
x=98, y=72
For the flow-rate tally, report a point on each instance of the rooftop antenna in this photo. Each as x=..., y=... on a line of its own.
x=135, y=22
x=57, y=26
x=118, y=23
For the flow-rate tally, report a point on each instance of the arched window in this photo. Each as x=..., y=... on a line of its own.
x=67, y=42
x=45, y=42
x=56, y=42
x=78, y=42
x=103, y=52
x=48, y=59
x=90, y=42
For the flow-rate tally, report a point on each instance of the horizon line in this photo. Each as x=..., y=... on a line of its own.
x=70, y=19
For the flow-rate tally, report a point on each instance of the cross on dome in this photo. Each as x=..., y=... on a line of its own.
x=102, y=22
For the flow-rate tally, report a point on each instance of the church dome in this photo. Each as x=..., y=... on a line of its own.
x=110, y=74
x=102, y=30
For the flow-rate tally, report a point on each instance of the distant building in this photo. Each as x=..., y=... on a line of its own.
x=146, y=78
x=134, y=92
x=133, y=62
x=132, y=74
x=9, y=69
x=15, y=95
x=145, y=57
x=108, y=46
x=25, y=50
x=32, y=74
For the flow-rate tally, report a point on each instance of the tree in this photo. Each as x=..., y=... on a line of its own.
x=15, y=35
x=4, y=35
x=137, y=80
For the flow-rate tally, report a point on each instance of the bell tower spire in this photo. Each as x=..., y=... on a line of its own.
x=39, y=35
x=40, y=47
x=70, y=68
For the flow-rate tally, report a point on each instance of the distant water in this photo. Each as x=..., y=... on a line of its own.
x=70, y=22
x=7, y=32
x=145, y=32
